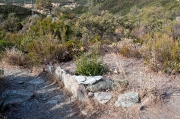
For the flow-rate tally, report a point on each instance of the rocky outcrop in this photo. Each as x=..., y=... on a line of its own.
x=16, y=96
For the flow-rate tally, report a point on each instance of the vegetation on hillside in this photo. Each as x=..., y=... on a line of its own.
x=21, y=13
x=153, y=27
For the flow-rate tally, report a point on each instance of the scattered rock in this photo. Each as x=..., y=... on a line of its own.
x=15, y=96
x=127, y=99
x=102, y=97
x=36, y=81
x=90, y=94
x=100, y=85
x=87, y=80
x=43, y=99
x=166, y=79
x=173, y=72
x=20, y=82
x=80, y=79
x=84, y=112
x=114, y=70
x=50, y=68
x=49, y=15
x=52, y=102
x=178, y=18
x=58, y=97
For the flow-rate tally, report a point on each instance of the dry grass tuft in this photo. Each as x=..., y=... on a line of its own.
x=14, y=57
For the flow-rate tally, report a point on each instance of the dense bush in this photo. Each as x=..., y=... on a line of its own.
x=162, y=53
x=102, y=25
x=21, y=12
x=90, y=66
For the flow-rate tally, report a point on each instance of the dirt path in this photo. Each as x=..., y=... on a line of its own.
x=35, y=96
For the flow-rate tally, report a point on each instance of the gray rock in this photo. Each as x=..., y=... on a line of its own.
x=127, y=99
x=36, y=81
x=87, y=80
x=178, y=18
x=43, y=99
x=50, y=68
x=90, y=94
x=92, y=80
x=166, y=79
x=15, y=96
x=100, y=85
x=58, y=97
x=52, y=102
x=49, y=15
x=20, y=82
x=54, y=19
x=84, y=112
x=102, y=97
x=80, y=79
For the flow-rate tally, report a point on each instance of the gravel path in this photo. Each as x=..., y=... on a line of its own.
x=25, y=95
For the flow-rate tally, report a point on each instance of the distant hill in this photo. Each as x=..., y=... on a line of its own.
x=20, y=11
x=124, y=6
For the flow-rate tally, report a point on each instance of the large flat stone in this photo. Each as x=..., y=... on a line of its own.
x=127, y=99
x=80, y=79
x=102, y=97
x=87, y=80
x=15, y=96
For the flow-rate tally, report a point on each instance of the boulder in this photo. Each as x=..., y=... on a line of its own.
x=102, y=97
x=127, y=99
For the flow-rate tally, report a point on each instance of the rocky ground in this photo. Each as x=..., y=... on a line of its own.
x=158, y=93
x=28, y=95
x=149, y=95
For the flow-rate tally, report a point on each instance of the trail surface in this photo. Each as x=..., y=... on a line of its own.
x=26, y=95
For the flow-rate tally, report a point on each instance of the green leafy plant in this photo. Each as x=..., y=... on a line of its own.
x=90, y=66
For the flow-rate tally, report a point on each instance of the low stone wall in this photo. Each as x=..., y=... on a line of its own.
x=72, y=85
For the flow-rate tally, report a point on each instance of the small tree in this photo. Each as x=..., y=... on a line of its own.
x=41, y=4
x=11, y=24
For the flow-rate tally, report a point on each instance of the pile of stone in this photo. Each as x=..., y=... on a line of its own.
x=96, y=86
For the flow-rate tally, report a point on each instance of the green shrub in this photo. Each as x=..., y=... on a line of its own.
x=162, y=53
x=90, y=66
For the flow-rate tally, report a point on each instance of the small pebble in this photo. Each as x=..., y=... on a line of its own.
x=90, y=94
x=20, y=82
x=84, y=112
